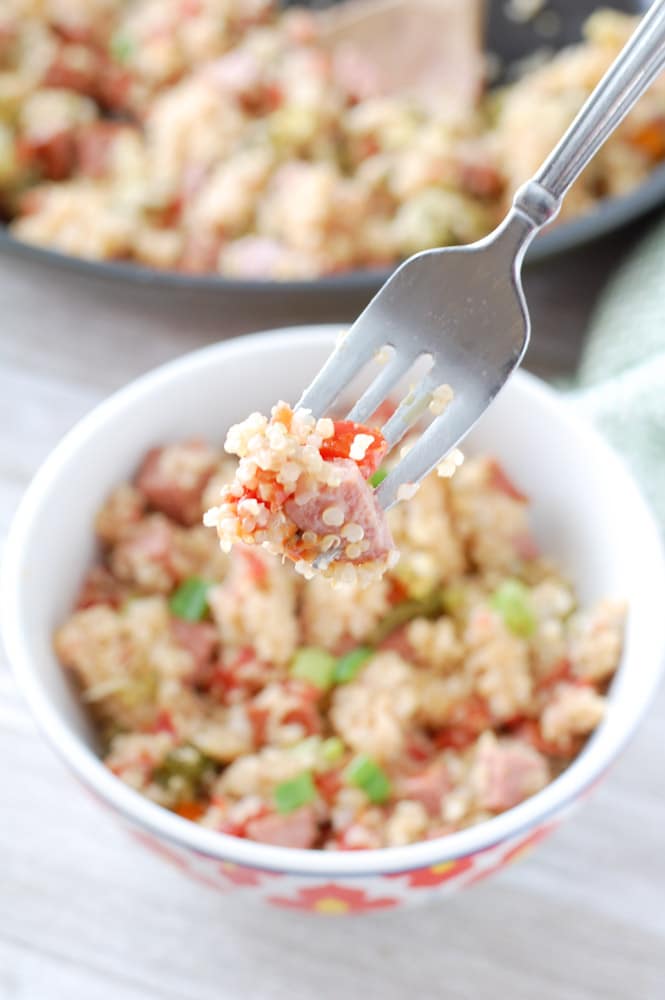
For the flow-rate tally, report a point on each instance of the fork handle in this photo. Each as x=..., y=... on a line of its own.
x=632, y=72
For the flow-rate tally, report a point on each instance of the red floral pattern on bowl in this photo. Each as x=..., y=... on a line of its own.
x=348, y=895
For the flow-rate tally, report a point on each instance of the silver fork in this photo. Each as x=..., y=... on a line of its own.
x=465, y=306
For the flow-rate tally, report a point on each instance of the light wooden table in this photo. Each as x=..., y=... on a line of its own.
x=87, y=915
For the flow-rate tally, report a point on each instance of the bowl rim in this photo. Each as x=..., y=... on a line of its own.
x=574, y=781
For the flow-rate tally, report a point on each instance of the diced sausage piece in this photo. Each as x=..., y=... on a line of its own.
x=298, y=829
x=398, y=642
x=122, y=510
x=94, y=146
x=146, y=556
x=265, y=257
x=200, y=253
x=506, y=772
x=201, y=639
x=74, y=67
x=54, y=155
x=100, y=587
x=359, y=506
x=237, y=74
x=173, y=479
x=428, y=786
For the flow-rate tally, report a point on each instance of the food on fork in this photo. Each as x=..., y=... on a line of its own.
x=303, y=489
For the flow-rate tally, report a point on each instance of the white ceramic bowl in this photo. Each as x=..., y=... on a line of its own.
x=587, y=512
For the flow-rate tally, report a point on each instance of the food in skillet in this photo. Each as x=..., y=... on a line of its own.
x=220, y=136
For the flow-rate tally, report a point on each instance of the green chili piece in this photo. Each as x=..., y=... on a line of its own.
x=294, y=793
x=348, y=666
x=365, y=773
x=315, y=666
x=512, y=600
x=190, y=600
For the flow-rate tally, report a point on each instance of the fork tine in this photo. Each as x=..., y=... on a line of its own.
x=431, y=447
x=375, y=393
x=410, y=409
x=345, y=361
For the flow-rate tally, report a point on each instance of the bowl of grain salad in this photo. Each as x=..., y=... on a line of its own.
x=333, y=748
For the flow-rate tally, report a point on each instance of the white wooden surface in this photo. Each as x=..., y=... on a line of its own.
x=85, y=914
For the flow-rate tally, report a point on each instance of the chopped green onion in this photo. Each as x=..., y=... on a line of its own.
x=190, y=600
x=365, y=773
x=425, y=607
x=511, y=599
x=332, y=749
x=378, y=477
x=295, y=793
x=348, y=666
x=315, y=666
x=122, y=47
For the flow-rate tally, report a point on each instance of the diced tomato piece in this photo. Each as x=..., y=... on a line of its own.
x=307, y=716
x=227, y=677
x=258, y=718
x=339, y=446
x=467, y=722
x=419, y=747
x=650, y=139
x=163, y=723
x=562, y=671
x=397, y=590
x=328, y=785
x=190, y=810
x=529, y=731
x=498, y=480
x=257, y=566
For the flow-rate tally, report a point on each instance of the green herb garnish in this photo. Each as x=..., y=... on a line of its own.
x=315, y=666
x=512, y=601
x=295, y=793
x=365, y=773
x=348, y=667
x=190, y=600
x=378, y=477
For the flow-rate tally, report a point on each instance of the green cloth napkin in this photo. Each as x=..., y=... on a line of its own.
x=621, y=378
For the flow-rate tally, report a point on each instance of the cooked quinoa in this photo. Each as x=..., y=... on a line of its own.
x=220, y=136
x=229, y=689
x=301, y=491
